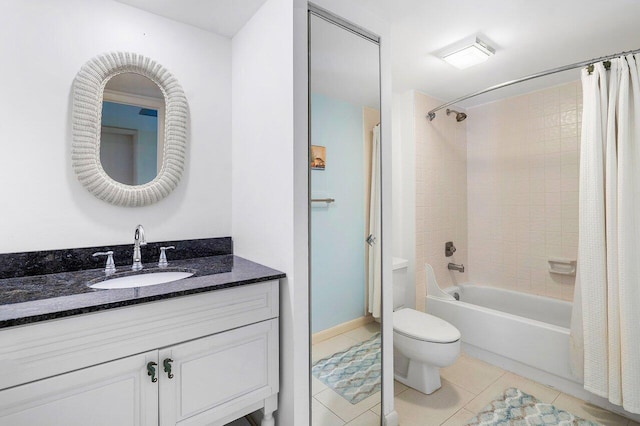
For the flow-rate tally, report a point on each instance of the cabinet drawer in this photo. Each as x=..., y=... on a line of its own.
x=218, y=374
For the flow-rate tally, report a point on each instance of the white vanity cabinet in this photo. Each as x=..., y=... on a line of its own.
x=215, y=357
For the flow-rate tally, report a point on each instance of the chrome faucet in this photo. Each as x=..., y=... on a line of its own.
x=138, y=240
x=455, y=267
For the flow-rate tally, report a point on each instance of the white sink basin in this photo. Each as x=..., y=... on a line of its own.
x=142, y=280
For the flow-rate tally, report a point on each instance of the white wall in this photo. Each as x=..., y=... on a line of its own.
x=404, y=190
x=44, y=44
x=270, y=177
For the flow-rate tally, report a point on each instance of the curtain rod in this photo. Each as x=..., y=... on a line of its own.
x=432, y=114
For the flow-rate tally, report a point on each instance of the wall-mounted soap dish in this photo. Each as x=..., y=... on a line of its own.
x=562, y=266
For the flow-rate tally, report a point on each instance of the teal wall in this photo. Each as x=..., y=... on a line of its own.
x=128, y=117
x=337, y=230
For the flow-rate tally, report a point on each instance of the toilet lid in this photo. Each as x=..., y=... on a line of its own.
x=422, y=326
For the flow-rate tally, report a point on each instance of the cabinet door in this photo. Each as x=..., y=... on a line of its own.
x=114, y=393
x=221, y=376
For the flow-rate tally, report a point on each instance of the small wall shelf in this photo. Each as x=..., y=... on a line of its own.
x=562, y=266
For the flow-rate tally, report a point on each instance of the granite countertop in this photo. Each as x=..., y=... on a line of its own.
x=30, y=299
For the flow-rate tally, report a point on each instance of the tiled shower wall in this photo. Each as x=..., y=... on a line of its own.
x=441, y=194
x=522, y=189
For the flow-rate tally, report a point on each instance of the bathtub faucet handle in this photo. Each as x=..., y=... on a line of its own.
x=449, y=249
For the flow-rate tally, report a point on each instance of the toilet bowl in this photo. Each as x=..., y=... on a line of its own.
x=422, y=345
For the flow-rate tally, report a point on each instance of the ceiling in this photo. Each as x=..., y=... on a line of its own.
x=224, y=17
x=528, y=35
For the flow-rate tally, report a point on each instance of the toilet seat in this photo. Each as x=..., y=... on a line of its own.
x=422, y=326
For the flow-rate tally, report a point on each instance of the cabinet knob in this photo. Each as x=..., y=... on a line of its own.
x=151, y=371
x=167, y=367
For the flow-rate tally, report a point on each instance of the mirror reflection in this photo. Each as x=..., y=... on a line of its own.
x=131, y=138
x=345, y=225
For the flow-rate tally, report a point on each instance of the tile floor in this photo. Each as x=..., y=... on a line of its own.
x=470, y=384
x=467, y=386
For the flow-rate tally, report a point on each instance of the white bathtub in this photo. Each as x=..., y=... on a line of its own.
x=501, y=325
x=519, y=332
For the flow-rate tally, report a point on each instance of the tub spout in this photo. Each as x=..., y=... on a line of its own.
x=455, y=267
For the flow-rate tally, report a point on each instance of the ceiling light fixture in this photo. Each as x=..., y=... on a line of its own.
x=467, y=53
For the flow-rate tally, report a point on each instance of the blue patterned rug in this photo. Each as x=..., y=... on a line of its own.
x=355, y=373
x=516, y=408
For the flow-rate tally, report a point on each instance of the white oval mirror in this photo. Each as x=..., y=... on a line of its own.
x=129, y=129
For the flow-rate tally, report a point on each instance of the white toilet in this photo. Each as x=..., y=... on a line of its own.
x=422, y=343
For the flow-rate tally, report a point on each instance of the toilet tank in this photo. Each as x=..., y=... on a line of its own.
x=400, y=277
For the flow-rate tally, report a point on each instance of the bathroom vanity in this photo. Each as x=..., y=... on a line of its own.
x=199, y=351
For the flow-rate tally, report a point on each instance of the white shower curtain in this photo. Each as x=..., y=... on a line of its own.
x=606, y=318
x=374, y=264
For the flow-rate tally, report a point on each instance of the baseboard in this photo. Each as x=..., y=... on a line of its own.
x=340, y=328
x=563, y=385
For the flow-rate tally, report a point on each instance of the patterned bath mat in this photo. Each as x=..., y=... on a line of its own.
x=354, y=373
x=516, y=408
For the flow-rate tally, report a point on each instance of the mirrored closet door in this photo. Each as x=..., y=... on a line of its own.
x=345, y=240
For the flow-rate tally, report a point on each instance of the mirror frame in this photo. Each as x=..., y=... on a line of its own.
x=88, y=92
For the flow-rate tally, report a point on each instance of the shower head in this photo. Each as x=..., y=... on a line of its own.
x=460, y=116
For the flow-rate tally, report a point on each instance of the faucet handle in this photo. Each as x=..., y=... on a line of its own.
x=162, y=262
x=110, y=267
